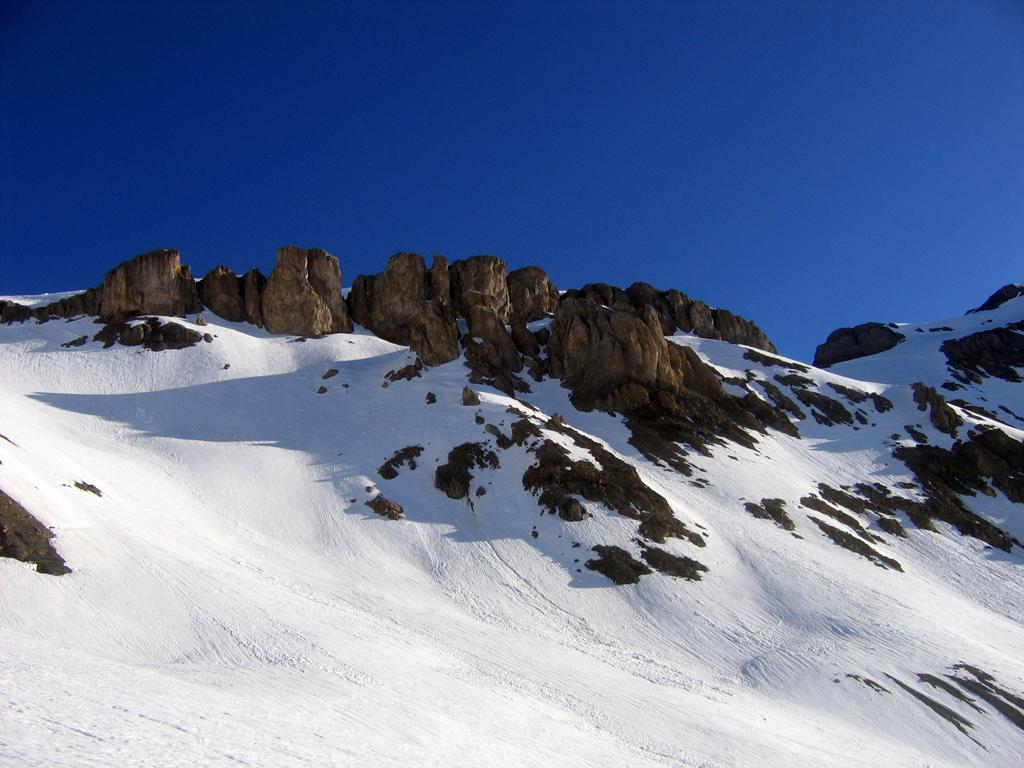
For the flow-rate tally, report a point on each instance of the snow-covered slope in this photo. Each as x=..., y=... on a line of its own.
x=233, y=600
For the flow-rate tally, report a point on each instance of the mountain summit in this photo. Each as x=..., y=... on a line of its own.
x=457, y=516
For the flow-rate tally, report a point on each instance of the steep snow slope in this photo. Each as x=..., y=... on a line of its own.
x=234, y=600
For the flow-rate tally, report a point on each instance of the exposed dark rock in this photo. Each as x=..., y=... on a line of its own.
x=813, y=502
x=611, y=481
x=330, y=373
x=860, y=341
x=769, y=360
x=531, y=294
x=480, y=281
x=303, y=294
x=321, y=390
x=431, y=398
x=525, y=341
x=24, y=538
x=966, y=469
x=916, y=434
x=825, y=410
x=996, y=352
x=469, y=397
x=454, y=476
x=389, y=469
x=873, y=685
x=983, y=685
x=780, y=400
x=771, y=509
x=947, y=714
x=854, y=544
x=155, y=283
x=942, y=416
x=385, y=507
x=673, y=565
x=88, y=488
x=406, y=372
x=151, y=334
x=221, y=291
x=617, y=564
x=76, y=342
x=1000, y=297
x=882, y=404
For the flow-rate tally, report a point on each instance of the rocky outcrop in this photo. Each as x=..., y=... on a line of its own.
x=24, y=538
x=619, y=360
x=531, y=294
x=303, y=294
x=406, y=304
x=1000, y=297
x=496, y=343
x=325, y=278
x=433, y=336
x=675, y=310
x=860, y=341
x=221, y=292
x=155, y=283
x=942, y=416
x=253, y=285
x=480, y=280
x=151, y=334
x=996, y=352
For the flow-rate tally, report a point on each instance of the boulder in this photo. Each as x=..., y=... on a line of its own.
x=480, y=280
x=860, y=341
x=221, y=292
x=155, y=283
x=531, y=294
x=291, y=304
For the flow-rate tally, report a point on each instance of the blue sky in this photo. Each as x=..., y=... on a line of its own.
x=805, y=164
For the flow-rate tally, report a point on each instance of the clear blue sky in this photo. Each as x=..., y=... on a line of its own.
x=806, y=164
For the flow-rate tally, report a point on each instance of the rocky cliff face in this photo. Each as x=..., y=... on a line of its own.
x=303, y=294
x=154, y=283
x=409, y=304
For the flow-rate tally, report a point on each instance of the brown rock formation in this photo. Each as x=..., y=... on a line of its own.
x=619, y=360
x=155, y=283
x=480, y=280
x=221, y=292
x=325, y=277
x=303, y=294
x=860, y=341
x=252, y=296
x=675, y=310
x=485, y=325
x=531, y=294
x=405, y=304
